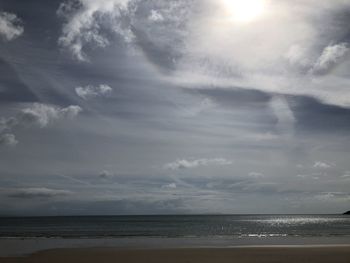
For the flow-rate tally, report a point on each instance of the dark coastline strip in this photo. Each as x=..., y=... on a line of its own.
x=310, y=254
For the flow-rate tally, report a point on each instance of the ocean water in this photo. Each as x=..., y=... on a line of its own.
x=182, y=226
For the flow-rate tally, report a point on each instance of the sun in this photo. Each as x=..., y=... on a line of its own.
x=244, y=10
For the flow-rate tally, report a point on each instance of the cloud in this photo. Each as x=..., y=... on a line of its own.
x=330, y=56
x=256, y=175
x=297, y=56
x=38, y=193
x=37, y=114
x=10, y=26
x=84, y=21
x=89, y=92
x=106, y=174
x=44, y=114
x=308, y=176
x=182, y=38
x=333, y=196
x=93, y=24
x=321, y=165
x=155, y=16
x=8, y=139
x=7, y=123
x=285, y=116
x=187, y=164
x=169, y=186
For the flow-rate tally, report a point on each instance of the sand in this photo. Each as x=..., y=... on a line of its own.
x=307, y=254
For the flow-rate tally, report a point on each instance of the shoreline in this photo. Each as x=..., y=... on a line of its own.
x=261, y=254
x=13, y=247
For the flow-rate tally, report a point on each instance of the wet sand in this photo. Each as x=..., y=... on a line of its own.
x=271, y=254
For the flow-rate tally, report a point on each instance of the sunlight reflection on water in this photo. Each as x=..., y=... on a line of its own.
x=299, y=220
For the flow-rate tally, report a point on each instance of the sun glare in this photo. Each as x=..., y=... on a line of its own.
x=245, y=10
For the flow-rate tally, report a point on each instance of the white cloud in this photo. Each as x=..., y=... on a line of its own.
x=43, y=114
x=155, y=16
x=187, y=164
x=89, y=92
x=38, y=114
x=169, y=186
x=297, y=56
x=8, y=139
x=10, y=26
x=219, y=52
x=69, y=112
x=322, y=165
x=85, y=20
x=205, y=48
x=38, y=193
x=330, y=56
x=92, y=24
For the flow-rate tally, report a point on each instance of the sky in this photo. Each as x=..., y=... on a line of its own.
x=174, y=107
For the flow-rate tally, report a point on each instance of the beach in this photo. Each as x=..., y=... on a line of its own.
x=268, y=254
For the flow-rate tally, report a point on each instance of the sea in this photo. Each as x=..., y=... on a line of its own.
x=236, y=226
x=35, y=233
